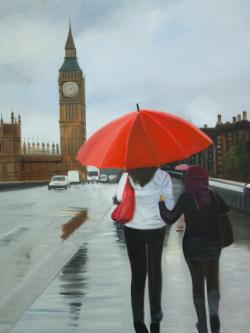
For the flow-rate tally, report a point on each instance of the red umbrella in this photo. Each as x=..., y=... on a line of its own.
x=142, y=138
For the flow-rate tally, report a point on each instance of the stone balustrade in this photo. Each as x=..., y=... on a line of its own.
x=40, y=149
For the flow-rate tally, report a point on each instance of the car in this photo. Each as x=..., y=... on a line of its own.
x=103, y=179
x=58, y=182
x=112, y=179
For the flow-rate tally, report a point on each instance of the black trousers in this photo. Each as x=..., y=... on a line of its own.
x=145, y=253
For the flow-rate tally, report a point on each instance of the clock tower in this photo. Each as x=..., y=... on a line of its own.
x=72, y=107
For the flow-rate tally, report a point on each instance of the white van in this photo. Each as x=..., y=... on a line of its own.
x=92, y=175
x=73, y=177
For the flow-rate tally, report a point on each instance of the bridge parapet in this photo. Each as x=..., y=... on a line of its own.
x=235, y=194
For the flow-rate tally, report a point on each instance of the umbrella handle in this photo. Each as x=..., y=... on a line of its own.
x=137, y=106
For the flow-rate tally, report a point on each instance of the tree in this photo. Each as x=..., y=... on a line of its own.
x=237, y=162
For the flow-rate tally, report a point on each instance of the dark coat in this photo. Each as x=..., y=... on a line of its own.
x=202, y=240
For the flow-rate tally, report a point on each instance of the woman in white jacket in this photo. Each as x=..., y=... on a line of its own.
x=144, y=236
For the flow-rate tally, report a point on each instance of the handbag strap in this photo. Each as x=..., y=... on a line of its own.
x=128, y=184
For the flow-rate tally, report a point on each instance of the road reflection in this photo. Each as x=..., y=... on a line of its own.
x=73, y=283
x=120, y=240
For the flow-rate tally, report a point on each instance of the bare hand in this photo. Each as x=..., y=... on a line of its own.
x=162, y=197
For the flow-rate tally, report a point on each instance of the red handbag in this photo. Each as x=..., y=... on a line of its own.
x=124, y=211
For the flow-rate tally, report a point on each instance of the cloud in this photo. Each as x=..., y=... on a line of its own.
x=190, y=58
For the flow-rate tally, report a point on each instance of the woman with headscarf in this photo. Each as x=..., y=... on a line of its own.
x=201, y=241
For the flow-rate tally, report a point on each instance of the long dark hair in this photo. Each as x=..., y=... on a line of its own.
x=142, y=176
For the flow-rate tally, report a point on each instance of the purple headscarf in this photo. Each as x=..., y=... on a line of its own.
x=196, y=183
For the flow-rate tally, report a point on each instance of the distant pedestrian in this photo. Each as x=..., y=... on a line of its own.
x=201, y=242
x=144, y=236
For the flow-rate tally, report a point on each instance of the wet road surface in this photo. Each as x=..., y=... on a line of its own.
x=31, y=250
x=91, y=293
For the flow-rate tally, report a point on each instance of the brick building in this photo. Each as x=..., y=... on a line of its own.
x=34, y=161
x=224, y=135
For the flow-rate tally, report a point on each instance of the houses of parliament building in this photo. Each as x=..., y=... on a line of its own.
x=29, y=161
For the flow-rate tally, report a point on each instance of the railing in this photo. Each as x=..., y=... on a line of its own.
x=235, y=194
x=43, y=149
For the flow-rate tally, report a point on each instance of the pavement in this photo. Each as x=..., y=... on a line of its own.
x=91, y=292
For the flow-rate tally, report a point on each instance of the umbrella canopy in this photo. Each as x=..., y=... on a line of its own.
x=142, y=139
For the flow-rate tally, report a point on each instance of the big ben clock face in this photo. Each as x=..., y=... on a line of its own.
x=70, y=89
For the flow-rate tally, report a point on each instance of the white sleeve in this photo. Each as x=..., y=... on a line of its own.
x=165, y=182
x=167, y=191
x=120, y=186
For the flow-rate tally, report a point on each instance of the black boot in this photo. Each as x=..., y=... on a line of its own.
x=140, y=328
x=202, y=329
x=213, y=297
x=155, y=328
x=200, y=308
x=215, y=324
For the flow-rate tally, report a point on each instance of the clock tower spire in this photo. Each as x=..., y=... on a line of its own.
x=72, y=106
x=70, y=50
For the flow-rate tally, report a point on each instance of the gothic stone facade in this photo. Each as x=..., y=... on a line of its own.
x=30, y=161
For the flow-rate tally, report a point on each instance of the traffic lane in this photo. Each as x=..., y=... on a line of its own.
x=29, y=215
x=34, y=209
x=21, y=225
x=88, y=294
x=32, y=258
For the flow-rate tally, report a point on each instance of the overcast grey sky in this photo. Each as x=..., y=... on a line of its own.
x=186, y=57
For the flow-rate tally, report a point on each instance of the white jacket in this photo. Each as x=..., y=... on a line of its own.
x=147, y=214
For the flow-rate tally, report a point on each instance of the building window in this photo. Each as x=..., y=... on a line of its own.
x=8, y=129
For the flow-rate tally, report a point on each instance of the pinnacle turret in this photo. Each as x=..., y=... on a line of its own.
x=70, y=50
x=70, y=61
